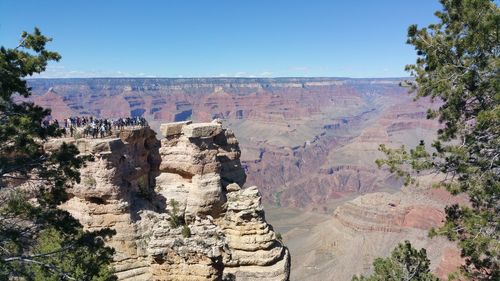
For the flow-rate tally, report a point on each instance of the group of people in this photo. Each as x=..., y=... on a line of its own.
x=94, y=127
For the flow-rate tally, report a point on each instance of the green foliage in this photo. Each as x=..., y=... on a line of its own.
x=186, y=232
x=458, y=66
x=405, y=263
x=72, y=257
x=175, y=220
x=20, y=62
x=403, y=163
x=39, y=241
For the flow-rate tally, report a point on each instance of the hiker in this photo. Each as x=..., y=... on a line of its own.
x=92, y=129
x=97, y=127
x=86, y=131
x=103, y=130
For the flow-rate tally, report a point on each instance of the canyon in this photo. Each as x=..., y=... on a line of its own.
x=176, y=205
x=304, y=141
x=338, y=245
x=309, y=144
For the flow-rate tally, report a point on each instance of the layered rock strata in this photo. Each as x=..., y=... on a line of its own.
x=306, y=141
x=177, y=206
x=387, y=212
x=346, y=242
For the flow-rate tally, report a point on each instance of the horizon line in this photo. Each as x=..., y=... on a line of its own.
x=217, y=77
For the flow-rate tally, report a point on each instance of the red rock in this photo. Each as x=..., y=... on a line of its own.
x=424, y=217
x=449, y=263
x=304, y=140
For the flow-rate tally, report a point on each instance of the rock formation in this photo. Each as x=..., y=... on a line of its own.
x=177, y=206
x=308, y=143
x=346, y=242
x=305, y=141
x=387, y=212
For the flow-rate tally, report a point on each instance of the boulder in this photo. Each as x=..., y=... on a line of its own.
x=202, y=130
x=232, y=187
x=172, y=129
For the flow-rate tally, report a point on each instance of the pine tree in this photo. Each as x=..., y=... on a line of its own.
x=39, y=241
x=405, y=263
x=458, y=67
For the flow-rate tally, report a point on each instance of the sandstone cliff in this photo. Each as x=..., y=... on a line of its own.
x=177, y=206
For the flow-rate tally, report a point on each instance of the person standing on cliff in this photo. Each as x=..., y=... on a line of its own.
x=103, y=130
x=93, y=129
x=86, y=131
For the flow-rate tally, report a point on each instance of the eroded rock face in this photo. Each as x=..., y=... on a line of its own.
x=177, y=206
x=346, y=242
x=256, y=254
x=387, y=212
x=305, y=141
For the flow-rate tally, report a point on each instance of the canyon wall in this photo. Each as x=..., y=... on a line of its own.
x=304, y=141
x=308, y=143
x=177, y=205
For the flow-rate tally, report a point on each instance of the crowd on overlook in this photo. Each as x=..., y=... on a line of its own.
x=94, y=127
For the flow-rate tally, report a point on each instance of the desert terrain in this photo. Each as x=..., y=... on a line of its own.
x=309, y=144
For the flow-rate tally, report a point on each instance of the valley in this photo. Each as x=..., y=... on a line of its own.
x=304, y=141
x=309, y=144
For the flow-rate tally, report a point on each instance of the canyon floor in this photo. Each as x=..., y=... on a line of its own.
x=345, y=242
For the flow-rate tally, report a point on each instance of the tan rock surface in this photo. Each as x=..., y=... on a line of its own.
x=256, y=254
x=131, y=187
x=172, y=129
x=202, y=130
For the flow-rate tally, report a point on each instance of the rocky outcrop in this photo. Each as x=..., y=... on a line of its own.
x=256, y=253
x=387, y=212
x=346, y=242
x=177, y=206
x=289, y=128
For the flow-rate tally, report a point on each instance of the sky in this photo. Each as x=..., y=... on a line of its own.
x=223, y=38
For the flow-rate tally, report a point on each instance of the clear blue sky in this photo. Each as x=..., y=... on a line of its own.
x=184, y=38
